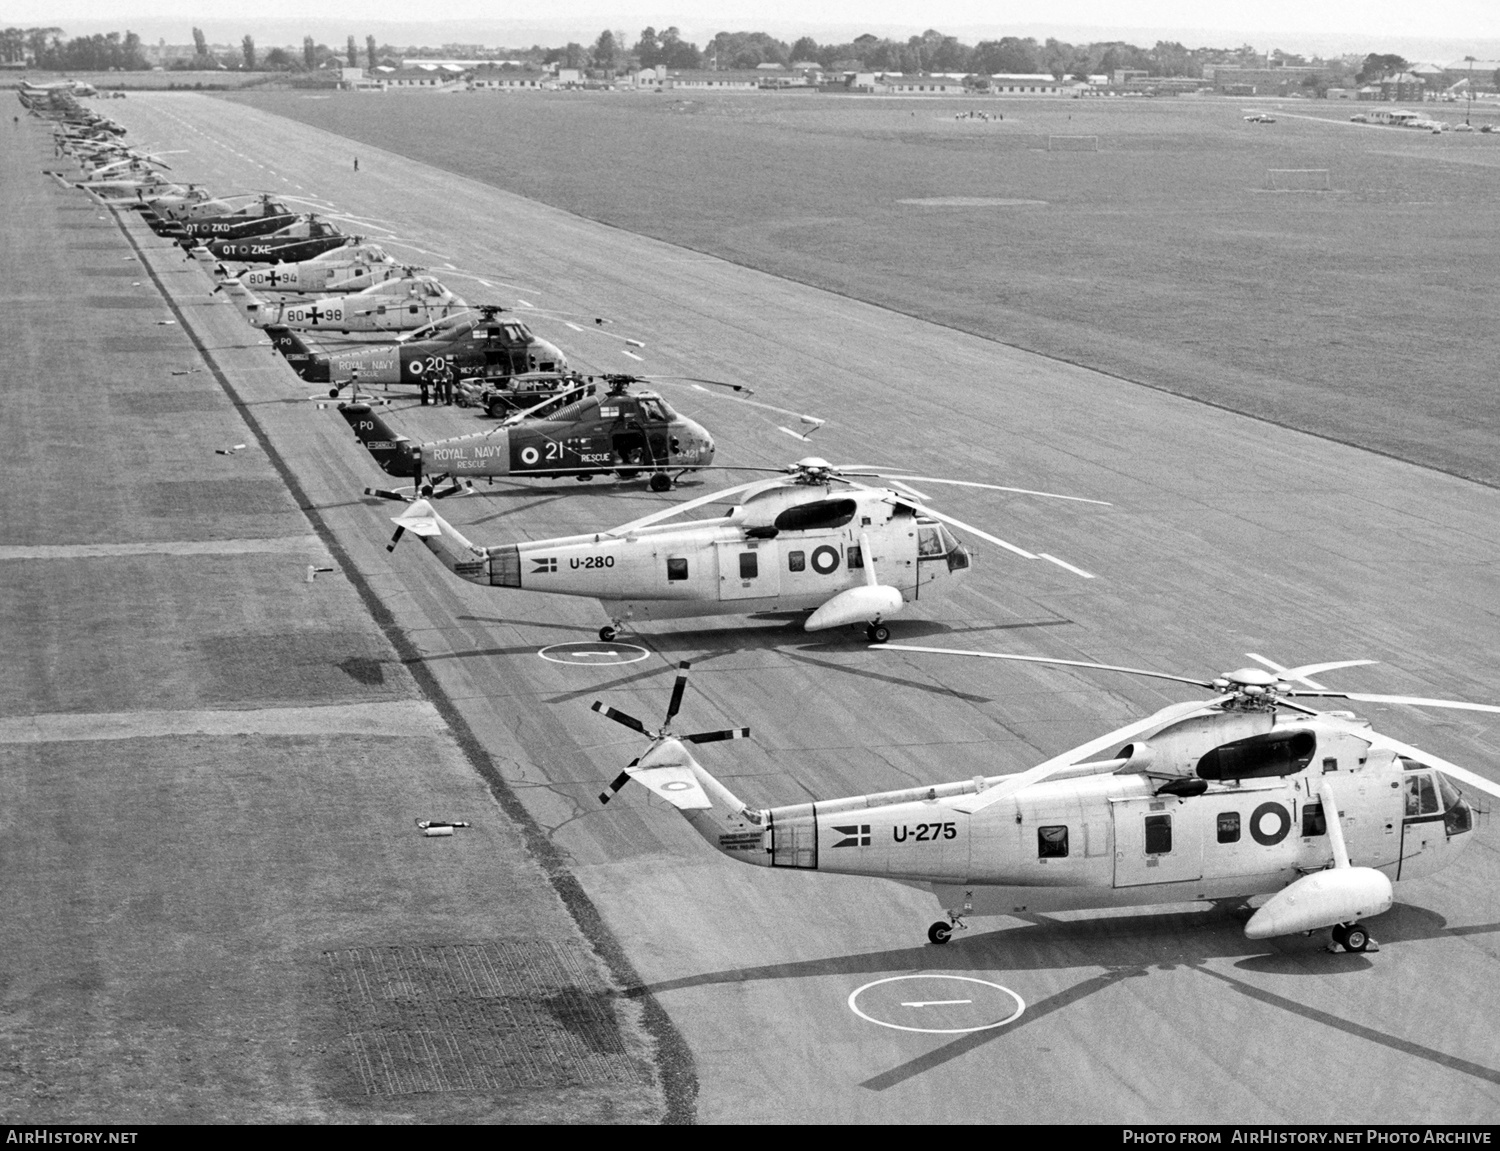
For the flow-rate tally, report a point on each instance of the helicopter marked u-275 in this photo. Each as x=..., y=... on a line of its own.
x=816, y=540
x=1242, y=795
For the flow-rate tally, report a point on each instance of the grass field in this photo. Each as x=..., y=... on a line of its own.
x=1361, y=313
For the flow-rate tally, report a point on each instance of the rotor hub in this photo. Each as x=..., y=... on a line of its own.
x=1252, y=686
x=812, y=470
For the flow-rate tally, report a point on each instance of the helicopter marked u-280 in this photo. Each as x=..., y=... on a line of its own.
x=816, y=539
x=1242, y=795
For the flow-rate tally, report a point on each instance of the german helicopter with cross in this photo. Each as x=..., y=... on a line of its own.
x=849, y=546
x=399, y=305
x=1251, y=793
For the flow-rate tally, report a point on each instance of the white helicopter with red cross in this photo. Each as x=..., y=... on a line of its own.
x=818, y=539
x=1250, y=793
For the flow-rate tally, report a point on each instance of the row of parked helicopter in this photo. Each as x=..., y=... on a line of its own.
x=1250, y=793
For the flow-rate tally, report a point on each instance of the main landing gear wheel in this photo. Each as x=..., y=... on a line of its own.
x=608, y=634
x=1353, y=938
x=939, y=932
x=878, y=633
x=660, y=482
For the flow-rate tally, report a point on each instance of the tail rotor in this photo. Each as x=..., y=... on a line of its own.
x=663, y=735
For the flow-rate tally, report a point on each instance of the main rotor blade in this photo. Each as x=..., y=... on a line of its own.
x=812, y=421
x=1305, y=672
x=1041, y=659
x=984, y=535
x=677, y=689
x=1452, y=770
x=679, y=509
x=620, y=717
x=1041, y=771
x=991, y=487
x=716, y=736
x=536, y=411
x=1415, y=701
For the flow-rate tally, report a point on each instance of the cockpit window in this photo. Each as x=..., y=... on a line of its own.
x=934, y=541
x=652, y=410
x=1421, y=795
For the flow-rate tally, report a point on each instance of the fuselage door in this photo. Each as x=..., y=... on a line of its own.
x=749, y=569
x=1157, y=841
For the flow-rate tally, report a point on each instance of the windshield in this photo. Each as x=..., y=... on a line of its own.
x=933, y=540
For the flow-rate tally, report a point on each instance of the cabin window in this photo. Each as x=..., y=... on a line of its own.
x=677, y=568
x=1229, y=827
x=796, y=561
x=749, y=565
x=1052, y=842
x=1158, y=835
x=855, y=556
x=1313, y=822
x=1330, y=764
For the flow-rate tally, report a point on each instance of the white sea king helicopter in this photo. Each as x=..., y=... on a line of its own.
x=1246, y=794
x=816, y=539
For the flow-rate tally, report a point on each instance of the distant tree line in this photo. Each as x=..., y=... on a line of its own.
x=933, y=51
x=45, y=48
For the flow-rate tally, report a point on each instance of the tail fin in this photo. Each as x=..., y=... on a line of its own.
x=255, y=309
x=457, y=554
x=395, y=453
x=303, y=360
x=715, y=813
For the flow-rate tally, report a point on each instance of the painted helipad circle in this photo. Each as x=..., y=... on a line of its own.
x=937, y=1004
x=593, y=653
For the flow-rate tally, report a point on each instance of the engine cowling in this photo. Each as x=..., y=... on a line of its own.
x=856, y=605
x=1322, y=899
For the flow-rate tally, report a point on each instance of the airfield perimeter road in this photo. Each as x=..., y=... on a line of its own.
x=1226, y=536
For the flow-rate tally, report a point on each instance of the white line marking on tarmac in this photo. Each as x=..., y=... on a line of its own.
x=400, y=718
x=935, y=1002
x=632, y=355
x=275, y=545
x=1065, y=564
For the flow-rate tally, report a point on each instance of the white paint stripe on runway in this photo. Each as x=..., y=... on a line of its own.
x=276, y=545
x=398, y=718
x=1065, y=564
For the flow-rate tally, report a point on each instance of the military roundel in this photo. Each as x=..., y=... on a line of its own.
x=825, y=559
x=1269, y=824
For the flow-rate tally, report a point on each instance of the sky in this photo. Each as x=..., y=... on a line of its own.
x=1296, y=25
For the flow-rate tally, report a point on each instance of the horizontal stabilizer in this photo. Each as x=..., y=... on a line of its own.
x=673, y=782
x=419, y=519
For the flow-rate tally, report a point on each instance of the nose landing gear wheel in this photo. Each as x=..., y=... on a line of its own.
x=939, y=932
x=877, y=633
x=608, y=634
x=660, y=482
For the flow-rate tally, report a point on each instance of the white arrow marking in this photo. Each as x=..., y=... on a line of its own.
x=936, y=1002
